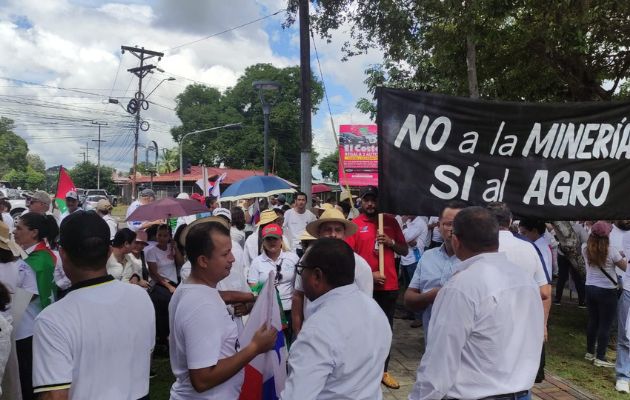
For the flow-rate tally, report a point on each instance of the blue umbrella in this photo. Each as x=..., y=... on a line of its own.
x=256, y=186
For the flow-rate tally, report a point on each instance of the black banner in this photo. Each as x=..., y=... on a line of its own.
x=551, y=161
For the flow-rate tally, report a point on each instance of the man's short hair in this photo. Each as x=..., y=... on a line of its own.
x=477, y=229
x=453, y=205
x=334, y=257
x=532, y=224
x=199, y=239
x=501, y=213
x=85, y=240
x=297, y=194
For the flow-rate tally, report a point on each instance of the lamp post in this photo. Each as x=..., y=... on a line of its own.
x=181, y=142
x=262, y=86
x=161, y=82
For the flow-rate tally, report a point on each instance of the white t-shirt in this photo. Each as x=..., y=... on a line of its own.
x=202, y=333
x=262, y=265
x=416, y=230
x=165, y=261
x=595, y=276
x=18, y=274
x=8, y=219
x=124, y=271
x=543, y=246
x=238, y=236
x=362, y=278
x=96, y=341
x=112, y=224
x=294, y=224
x=523, y=254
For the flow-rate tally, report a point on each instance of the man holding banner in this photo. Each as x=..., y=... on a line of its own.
x=205, y=354
x=366, y=243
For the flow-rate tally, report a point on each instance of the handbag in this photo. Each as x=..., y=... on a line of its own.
x=615, y=281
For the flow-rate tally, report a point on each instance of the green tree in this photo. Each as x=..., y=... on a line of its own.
x=34, y=161
x=200, y=107
x=84, y=176
x=169, y=161
x=329, y=165
x=13, y=149
x=525, y=50
x=28, y=179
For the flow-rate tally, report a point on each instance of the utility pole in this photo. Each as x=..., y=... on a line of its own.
x=305, y=102
x=98, y=157
x=87, y=151
x=82, y=154
x=139, y=103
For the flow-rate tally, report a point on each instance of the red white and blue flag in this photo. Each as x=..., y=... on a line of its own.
x=266, y=374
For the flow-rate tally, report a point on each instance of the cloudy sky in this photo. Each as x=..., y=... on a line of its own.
x=62, y=61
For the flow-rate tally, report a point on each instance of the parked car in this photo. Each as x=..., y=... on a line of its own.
x=90, y=202
x=102, y=192
x=17, y=200
x=81, y=194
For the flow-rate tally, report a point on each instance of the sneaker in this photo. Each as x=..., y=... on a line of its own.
x=589, y=356
x=556, y=303
x=601, y=363
x=152, y=373
x=389, y=381
x=582, y=305
x=622, y=386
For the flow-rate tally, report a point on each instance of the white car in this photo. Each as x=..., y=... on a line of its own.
x=18, y=202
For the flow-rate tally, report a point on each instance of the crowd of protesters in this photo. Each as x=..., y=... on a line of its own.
x=86, y=300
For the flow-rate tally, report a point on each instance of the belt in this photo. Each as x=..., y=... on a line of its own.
x=505, y=396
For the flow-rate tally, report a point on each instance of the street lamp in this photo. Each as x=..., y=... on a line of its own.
x=236, y=126
x=161, y=82
x=261, y=86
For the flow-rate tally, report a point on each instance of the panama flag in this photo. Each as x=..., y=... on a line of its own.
x=265, y=375
x=64, y=185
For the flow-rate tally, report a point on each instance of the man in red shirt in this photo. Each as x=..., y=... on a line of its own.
x=365, y=243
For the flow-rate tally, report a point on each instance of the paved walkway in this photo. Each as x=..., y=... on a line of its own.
x=406, y=354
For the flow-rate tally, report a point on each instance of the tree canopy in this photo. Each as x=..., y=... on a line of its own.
x=13, y=149
x=329, y=165
x=200, y=107
x=526, y=50
x=84, y=176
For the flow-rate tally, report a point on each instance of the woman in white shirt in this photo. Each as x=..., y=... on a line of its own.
x=601, y=291
x=273, y=258
x=121, y=263
x=163, y=271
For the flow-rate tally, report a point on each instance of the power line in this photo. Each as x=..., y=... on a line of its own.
x=225, y=31
x=321, y=74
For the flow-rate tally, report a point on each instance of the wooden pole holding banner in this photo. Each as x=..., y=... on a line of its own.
x=381, y=247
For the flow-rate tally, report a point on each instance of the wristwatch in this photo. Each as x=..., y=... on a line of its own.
x=393, y=243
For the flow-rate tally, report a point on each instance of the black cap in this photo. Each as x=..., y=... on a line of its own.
x=369, y=191
x=80, y=226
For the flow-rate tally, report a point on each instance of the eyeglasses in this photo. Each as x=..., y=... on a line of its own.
x=278, y=272
x=299, y=268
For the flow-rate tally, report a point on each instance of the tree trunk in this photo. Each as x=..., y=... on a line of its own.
x=570, y=245
x=471, y=66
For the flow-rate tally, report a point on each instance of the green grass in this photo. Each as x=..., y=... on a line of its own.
x=566, y=349
x=160, y=386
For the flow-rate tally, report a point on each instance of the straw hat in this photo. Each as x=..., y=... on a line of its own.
x=221, y=220
x=7, y=243
x=305, y=237
x=332, y=215
x=267, y=216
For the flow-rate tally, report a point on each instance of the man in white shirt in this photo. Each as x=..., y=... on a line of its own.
x=415, y=230
x=534, y=230
x=296, y=219
x=104, y=209
x=487, y=339
x=332, y=224
x=72, y=203
x=205, y=354
x=147, y=196
x=101, y=328
x=333, y=357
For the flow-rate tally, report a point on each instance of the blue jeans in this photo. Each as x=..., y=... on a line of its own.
x=622, y=367
x=602, y=310
x=408, y=271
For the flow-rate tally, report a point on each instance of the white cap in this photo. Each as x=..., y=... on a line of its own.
x=222, y=212
x=72, y=195
x=183, y=195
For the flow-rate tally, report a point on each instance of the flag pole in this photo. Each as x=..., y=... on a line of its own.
x=381, y=247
